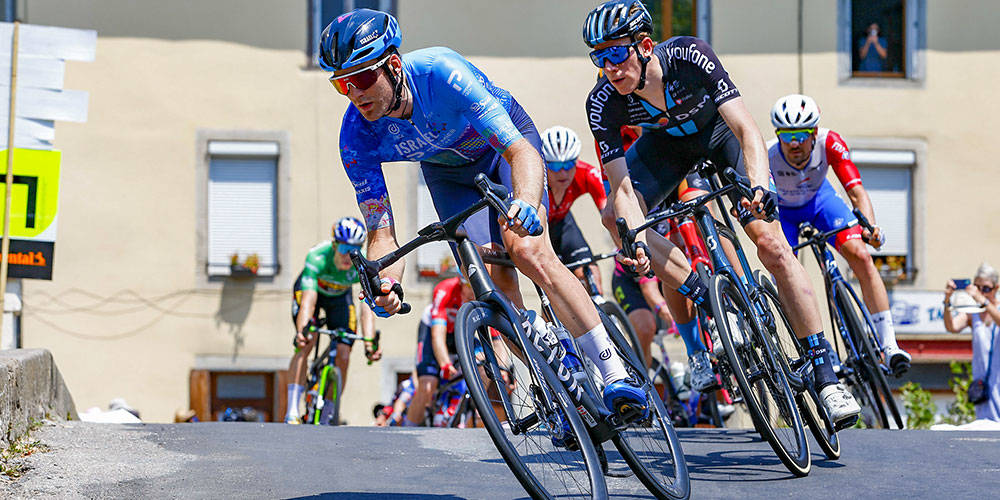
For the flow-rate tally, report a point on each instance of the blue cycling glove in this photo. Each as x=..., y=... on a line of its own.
x=528, y=217
x=379, y=310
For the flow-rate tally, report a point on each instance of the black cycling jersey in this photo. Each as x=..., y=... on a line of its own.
x=695, y=84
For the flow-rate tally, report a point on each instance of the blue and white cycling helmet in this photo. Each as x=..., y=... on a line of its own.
x=350, y=231
x=357, y=37
x=616, y=19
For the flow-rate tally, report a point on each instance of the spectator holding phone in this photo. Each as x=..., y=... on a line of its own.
x=872, y=50
x=985, y=388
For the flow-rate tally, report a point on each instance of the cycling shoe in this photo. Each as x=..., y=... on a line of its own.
x=702, y=376
x=626, y=399
x=898, y=359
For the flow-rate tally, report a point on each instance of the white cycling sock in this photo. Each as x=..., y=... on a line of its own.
x=598, y=347
x=294, y=395
x=883, y=327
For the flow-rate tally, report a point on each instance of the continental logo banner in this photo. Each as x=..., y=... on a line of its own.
x=34, y=209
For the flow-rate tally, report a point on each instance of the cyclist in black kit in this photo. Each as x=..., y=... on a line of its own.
x=690, y=111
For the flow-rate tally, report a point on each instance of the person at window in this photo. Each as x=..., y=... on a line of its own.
x=872, y=50
x=799, y=158
x=985, y=335
x=325, y=284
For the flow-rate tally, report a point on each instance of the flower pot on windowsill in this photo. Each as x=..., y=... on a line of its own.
x=242, y=272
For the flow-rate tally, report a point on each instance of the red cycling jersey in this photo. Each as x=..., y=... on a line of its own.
x=444, y=306
x=797, y=187
x=586, y=180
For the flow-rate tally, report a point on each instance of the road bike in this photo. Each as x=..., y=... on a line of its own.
x=861, y=364
x=324, y=380
x=544, y=419
x=755, y=368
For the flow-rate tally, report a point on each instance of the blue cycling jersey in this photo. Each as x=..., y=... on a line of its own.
x=458, y=116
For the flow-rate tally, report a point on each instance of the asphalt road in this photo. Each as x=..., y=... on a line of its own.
x=243, y=460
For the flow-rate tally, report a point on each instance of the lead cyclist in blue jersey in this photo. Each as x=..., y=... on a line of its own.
x=433, y=106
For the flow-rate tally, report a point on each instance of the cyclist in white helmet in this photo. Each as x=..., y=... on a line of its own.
x=568, y=179
x=325, y=284
x=799, y=158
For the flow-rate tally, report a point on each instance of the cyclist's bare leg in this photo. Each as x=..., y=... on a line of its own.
x=794, y=287
x=342, y=360
x=872, y=287
x=297, y=367
x=426, y=385
x=645, y=328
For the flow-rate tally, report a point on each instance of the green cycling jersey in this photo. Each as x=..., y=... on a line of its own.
x=321, y=273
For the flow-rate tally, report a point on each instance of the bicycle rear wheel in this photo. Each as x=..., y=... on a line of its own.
x=523, y=422
x=759, y=376
x=650, y=446
x=864, y=336
x=793, y=355
x=617, y=315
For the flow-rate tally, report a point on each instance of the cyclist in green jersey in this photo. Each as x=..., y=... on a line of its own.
x=325, y=284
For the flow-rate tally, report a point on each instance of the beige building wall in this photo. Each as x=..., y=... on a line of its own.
x=129, y=312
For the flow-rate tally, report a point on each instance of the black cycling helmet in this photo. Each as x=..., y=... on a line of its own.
x=616, y=19
x=357, y=37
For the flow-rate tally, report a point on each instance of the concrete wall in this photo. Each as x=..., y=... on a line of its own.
x=129, y=314
x=31, y=389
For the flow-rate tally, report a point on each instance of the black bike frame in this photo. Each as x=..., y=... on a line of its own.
x=602, y=428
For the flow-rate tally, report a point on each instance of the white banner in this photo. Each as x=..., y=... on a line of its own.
x=917, y=311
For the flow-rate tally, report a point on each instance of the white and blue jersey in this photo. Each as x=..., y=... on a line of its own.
x=459, y=117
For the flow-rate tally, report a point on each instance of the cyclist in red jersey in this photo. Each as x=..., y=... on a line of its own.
x=799, y=169
x=570, y=178
x=436, y=344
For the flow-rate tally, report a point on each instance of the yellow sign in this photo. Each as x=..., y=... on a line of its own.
x=35, y=193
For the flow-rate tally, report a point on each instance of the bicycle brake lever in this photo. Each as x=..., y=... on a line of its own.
x=865, y=223
x=497, y=196
x=371, y=283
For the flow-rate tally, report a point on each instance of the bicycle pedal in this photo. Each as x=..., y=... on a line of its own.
x=846, y=423
x=629, y=413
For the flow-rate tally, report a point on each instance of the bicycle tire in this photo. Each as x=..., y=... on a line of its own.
x=474, y=319
x=663, y=481
x=660, y=375
x=810, y=406
x=862, y=334
x=755, y=355
x=617, y=314
x=864, y=377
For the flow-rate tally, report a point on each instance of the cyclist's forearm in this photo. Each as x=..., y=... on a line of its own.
x=381, y=242
x=527, y=171
x=306, y=310
x=861, y=201
x=739, y=120
x=624, y=197
x=651, y=292
x=367, y=321
x=439, y=334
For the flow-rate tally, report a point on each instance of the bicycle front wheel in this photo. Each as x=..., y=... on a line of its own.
x=864, y=341
x=531, y=420
x=650, y=446
x=760, y=377
x=791, y=352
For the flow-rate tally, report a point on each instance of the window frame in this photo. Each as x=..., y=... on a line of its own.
x=282, y=203
x=914, y=49
x=315, y=23
x=918, y=207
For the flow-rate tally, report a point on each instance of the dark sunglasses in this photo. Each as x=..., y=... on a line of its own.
x=361, y=79
x=344, y=248
x=985, y=288
x=615, y=55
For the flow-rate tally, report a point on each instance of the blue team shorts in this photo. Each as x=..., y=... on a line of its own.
x=825, y=211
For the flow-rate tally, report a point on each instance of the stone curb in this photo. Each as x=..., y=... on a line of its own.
x=31, y=389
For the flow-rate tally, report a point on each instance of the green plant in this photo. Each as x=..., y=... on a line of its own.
x=961, y=411
x=920, y=409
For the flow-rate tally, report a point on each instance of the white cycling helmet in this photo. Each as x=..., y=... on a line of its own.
x=349, y=230
x=795, y=111
x=560, y=144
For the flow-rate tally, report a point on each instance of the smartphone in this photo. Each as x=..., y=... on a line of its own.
x=961, y=284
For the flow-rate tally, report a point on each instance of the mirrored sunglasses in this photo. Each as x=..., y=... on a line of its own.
x=615, y=55
x=556, y=166
x=800, y=135
x=361, y=80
